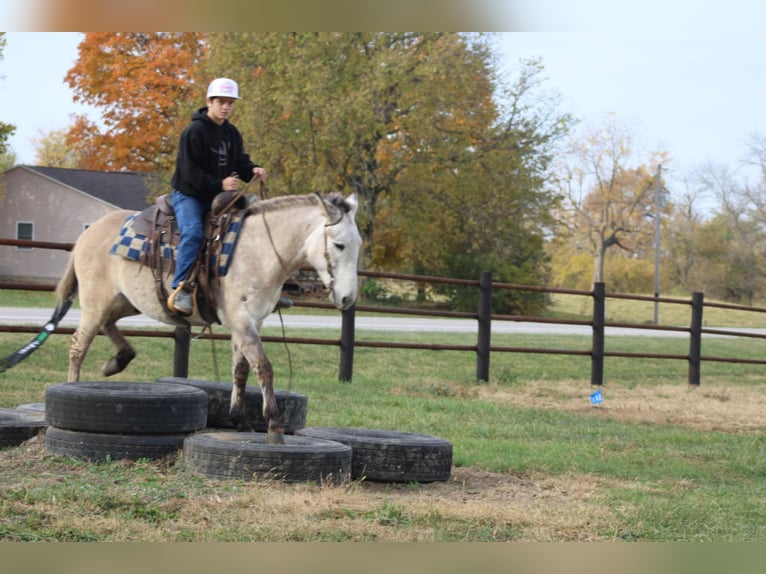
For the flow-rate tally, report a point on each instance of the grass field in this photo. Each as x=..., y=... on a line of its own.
x=533, y=459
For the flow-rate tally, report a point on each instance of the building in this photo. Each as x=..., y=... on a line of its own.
x=56, y=205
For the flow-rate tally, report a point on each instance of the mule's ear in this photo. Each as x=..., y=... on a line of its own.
x=353, y=201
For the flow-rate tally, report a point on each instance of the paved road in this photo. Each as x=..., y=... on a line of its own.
x=30, y=316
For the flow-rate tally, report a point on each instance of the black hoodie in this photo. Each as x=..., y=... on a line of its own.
x=207, y=154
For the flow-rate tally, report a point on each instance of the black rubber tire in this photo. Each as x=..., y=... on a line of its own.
x=293, y=406
x=126, y=407
x=248, y=456
x=32, y=408
x=391, y=456
x=102, y=447
x=17, y=427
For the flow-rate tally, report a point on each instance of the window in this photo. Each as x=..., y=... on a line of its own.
x=25, y=230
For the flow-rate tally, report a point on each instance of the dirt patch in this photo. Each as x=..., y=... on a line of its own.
x=737, y=409
x=53, y=498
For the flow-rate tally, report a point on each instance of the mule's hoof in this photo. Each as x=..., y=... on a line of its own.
x=275, y=437
x=242, y=425
x=110, y=368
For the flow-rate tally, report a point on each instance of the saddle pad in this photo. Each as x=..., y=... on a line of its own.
x=132, y=245
x=228, y=243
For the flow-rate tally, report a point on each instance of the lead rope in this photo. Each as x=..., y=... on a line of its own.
x=287, y=349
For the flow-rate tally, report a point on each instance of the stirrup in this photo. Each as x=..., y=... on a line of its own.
x=172, y=299
x=283, y=303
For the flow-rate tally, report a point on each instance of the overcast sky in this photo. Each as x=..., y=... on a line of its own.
x=696, y=93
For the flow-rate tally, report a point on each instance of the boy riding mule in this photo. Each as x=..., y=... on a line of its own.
x=276, y=238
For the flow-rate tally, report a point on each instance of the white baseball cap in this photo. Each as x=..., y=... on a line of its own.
x=224, y=88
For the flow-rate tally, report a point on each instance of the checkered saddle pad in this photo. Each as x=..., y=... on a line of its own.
x=137, y=247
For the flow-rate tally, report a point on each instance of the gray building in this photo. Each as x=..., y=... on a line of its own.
x=57, y=204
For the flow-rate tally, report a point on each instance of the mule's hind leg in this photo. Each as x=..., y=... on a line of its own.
x=125, y=352
x=237, y=410
x=248, y=351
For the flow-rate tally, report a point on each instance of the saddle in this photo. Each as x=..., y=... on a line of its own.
x=158, y=224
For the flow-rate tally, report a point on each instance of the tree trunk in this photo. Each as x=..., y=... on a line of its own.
x=598, y=264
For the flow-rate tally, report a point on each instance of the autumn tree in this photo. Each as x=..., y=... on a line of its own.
x=139, y=82
x=609, y=198
x=52, y=150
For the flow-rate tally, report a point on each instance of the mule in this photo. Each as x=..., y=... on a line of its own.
x=278, y=236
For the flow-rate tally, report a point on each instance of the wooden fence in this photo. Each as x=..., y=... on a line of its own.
x=483, y=316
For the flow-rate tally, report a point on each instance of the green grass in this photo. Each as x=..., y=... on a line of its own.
x=658, y=482
x=19, y=298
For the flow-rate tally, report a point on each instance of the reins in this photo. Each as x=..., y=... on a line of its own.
x=330, y=223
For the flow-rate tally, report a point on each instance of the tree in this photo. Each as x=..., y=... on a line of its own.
x=353, y=111
x=6, y=130
x=140, y=82
x=410, y=122
x=734, y=240
x=682, y=241
x=609, y=200
x=51, y=150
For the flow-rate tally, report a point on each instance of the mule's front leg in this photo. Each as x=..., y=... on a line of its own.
x=252, y=349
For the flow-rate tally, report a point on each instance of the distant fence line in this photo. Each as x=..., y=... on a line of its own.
x=483, y=316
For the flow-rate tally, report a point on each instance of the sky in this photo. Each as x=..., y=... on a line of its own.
x=698, y=93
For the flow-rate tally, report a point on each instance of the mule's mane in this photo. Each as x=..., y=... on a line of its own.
x=290, y=201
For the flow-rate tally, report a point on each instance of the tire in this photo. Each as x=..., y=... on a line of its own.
x=293, y=406
x=102, y=447
x=17, y=427
x=391, y=456
x=126, y=408
x=32, y=408
x=247, y=456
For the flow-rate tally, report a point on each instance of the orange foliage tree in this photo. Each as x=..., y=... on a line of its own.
x=141, y=83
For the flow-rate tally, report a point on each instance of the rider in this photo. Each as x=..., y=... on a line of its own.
x=211, y=159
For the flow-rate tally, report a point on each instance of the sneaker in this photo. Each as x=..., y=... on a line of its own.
x=183, y=303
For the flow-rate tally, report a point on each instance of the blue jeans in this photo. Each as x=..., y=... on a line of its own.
x=189, y=216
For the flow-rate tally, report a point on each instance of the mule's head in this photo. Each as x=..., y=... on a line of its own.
x=335, y=254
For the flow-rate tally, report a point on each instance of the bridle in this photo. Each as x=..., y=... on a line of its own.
x=324, y=290
x=329, y=223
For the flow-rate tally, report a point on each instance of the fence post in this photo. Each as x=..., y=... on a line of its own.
x=695, y=339
x=346, y=368
x=182, y=338
x=597, y=352
x=485, y=326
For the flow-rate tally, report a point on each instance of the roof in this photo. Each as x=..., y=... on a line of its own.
x=123, y=189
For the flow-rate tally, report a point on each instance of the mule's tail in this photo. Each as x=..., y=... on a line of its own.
x=66, y=290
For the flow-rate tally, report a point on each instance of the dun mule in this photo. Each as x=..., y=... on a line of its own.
x=278, y=237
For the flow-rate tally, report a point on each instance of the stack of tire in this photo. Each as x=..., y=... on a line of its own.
x=101, y=421
x=312, y=453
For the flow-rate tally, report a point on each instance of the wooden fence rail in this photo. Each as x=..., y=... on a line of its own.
x=484, y=317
